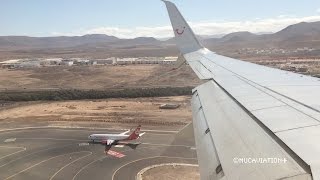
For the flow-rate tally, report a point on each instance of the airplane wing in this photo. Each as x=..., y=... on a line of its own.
x=141, y=134
x=250, y=121
x=125, y=132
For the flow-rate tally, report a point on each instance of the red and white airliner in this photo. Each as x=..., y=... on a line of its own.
x=110, y=139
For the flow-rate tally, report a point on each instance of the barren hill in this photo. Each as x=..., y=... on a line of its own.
x=100, y=46
x=298, y=35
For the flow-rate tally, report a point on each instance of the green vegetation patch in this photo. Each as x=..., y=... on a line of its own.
x=76, y=94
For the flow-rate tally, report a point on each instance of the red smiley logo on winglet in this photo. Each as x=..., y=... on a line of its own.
x=180, y=32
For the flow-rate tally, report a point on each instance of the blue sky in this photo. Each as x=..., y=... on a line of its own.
x=133, y=18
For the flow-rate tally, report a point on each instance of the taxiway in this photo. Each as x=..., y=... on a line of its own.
x=57, y=153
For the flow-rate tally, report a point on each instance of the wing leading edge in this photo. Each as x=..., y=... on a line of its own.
x=250, y=111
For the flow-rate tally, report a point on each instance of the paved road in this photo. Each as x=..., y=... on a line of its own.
x=55, y=153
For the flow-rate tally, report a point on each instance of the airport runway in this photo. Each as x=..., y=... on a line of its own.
x=55, y=153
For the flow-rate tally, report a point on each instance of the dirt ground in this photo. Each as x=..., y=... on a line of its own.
x=96, y=77
x=105, y=112
x=172, y=173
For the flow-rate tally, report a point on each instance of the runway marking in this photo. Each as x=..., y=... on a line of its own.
x=171, y=145
x=173, y=157
x=32, y=154
x=14, y=147
x=83, y=144
x=22, y=149
x=162, y=134
x=185, y=127
x=41, y=163
x=55, y=139
x=90, y=153
x=141, y=172
x=10, y=140
x=84, y=167
x=115, y=154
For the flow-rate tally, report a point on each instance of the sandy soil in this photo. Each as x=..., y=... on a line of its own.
x=115, y=112
x=96, y=77
x=172, y=173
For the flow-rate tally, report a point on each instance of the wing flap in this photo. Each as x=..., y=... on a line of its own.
x=279, y=113
x=206, y=151
x=236, y=135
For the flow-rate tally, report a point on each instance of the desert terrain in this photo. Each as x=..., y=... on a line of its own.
x=117, y=113
x=96, y=77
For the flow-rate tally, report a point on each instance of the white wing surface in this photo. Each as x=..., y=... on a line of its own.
x=124, y=133
x=141, y=134
x=250, y=121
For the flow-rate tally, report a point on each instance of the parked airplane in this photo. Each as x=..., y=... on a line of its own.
x=250, y=121
x=110, y=139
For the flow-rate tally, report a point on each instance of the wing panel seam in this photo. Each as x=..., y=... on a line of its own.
x=286, y=148
x=246, y=79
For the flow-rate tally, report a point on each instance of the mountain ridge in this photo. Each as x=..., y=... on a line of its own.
x=304, y=34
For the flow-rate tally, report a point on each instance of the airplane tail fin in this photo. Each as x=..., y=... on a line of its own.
x=135, y=133
x=184, y=36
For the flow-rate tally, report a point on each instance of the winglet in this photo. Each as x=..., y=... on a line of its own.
x=184, y=36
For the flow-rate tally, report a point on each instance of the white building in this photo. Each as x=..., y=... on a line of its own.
x=67, y=62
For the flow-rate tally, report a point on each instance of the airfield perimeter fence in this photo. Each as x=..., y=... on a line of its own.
x=78, y=94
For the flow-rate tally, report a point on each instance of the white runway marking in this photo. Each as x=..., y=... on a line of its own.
x=86, y=167
x=55, y=139
x=83, y=144
x=10, y=140
x=41, y=163
x=163, y=134
x=32, y=154
x=119, y=146
x=169, y=145
x=22, y=149
x=184, y=127
x=100, y=159
x=11, y=147
x=173, y=157
x=140, y=173
x=90, y=153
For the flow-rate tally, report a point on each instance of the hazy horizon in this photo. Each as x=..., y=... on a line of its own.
x=130, y=19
